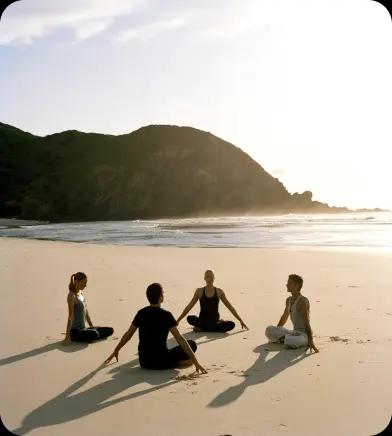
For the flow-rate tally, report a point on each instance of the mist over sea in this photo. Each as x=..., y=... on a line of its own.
x=365, y=231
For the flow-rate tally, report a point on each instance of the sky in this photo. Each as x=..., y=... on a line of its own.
x=303, y=86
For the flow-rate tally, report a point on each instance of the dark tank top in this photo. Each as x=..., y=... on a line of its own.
x=209, y=307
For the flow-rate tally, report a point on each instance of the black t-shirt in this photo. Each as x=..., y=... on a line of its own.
x=154, y=324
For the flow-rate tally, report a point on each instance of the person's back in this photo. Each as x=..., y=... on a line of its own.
x=154, y=324
x=295, y=316
x=79, y=319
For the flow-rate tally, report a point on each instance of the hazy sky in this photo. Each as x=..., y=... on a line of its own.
x=304, y=87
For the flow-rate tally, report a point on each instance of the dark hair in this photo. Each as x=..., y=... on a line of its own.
x=210, y=271
x=77, y=276
x=154, y=291
x=298, y=280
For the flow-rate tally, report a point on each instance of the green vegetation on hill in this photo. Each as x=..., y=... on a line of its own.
x=156, y=171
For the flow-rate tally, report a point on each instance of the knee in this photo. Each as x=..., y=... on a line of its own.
x=192, y=344
x=192, y=319
x=230, y=325
x=270, y=330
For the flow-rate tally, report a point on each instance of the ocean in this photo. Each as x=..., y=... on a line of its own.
x=365, y=231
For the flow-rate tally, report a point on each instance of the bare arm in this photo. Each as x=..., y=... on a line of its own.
x=90, y=323
x=188, y=350
x=194, y=300
x=71, y=302
x=227, y=303
x=303, y=310
x=285, y=315
x=125, y=338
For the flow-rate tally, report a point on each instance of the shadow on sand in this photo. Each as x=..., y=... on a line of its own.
x=68, y=406
x=210, y=336
x=261, y=371
x=74, y=346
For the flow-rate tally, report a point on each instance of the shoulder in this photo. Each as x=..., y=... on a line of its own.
x=220, y=292
x=71, y=297
x=168, y=316
x=144, y=309
x=199, y=292
x=167, y=313
x=141, y=311
x=288, y=300
x=303, y=301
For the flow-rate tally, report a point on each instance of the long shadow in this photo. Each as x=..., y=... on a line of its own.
x=261, y=371
x=74, y=346
x=210, y=336
x=68, y=405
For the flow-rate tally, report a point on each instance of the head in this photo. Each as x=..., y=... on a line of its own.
x=155, y=293
x=294, y=283
x=78, y=282
x=209, y=277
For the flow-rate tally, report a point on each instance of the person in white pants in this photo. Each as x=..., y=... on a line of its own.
x=297, y=307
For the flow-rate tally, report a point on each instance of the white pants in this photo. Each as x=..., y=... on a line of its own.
x=292, y=338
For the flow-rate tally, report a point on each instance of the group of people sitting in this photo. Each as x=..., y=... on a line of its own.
x=154, y=323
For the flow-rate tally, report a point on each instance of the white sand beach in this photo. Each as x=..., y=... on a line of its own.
x=251, y=388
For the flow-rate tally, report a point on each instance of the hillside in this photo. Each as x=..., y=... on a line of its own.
x=156, y=171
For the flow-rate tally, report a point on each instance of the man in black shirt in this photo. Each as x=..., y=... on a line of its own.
x=154, y=324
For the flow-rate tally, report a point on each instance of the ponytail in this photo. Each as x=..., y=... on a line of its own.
x=77, y=276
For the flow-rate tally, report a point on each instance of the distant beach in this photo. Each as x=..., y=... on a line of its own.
x=362, y=231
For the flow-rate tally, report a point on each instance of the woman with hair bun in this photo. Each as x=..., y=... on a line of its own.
x=78, y=314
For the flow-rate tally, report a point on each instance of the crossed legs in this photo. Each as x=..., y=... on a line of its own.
x=290, y=338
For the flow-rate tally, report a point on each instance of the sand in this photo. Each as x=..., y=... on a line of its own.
x=251, y=388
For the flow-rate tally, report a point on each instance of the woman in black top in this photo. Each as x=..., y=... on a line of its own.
x=208, y=319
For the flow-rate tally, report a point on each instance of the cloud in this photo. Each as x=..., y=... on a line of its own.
x=25, y=21
x=150, y=31
x=242, y=17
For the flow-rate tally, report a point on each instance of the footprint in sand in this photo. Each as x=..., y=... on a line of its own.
x=353, y=286
x=388, y=313
x=114, y=338
x=282, y=425
x=186, y=377
x=337, y=339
